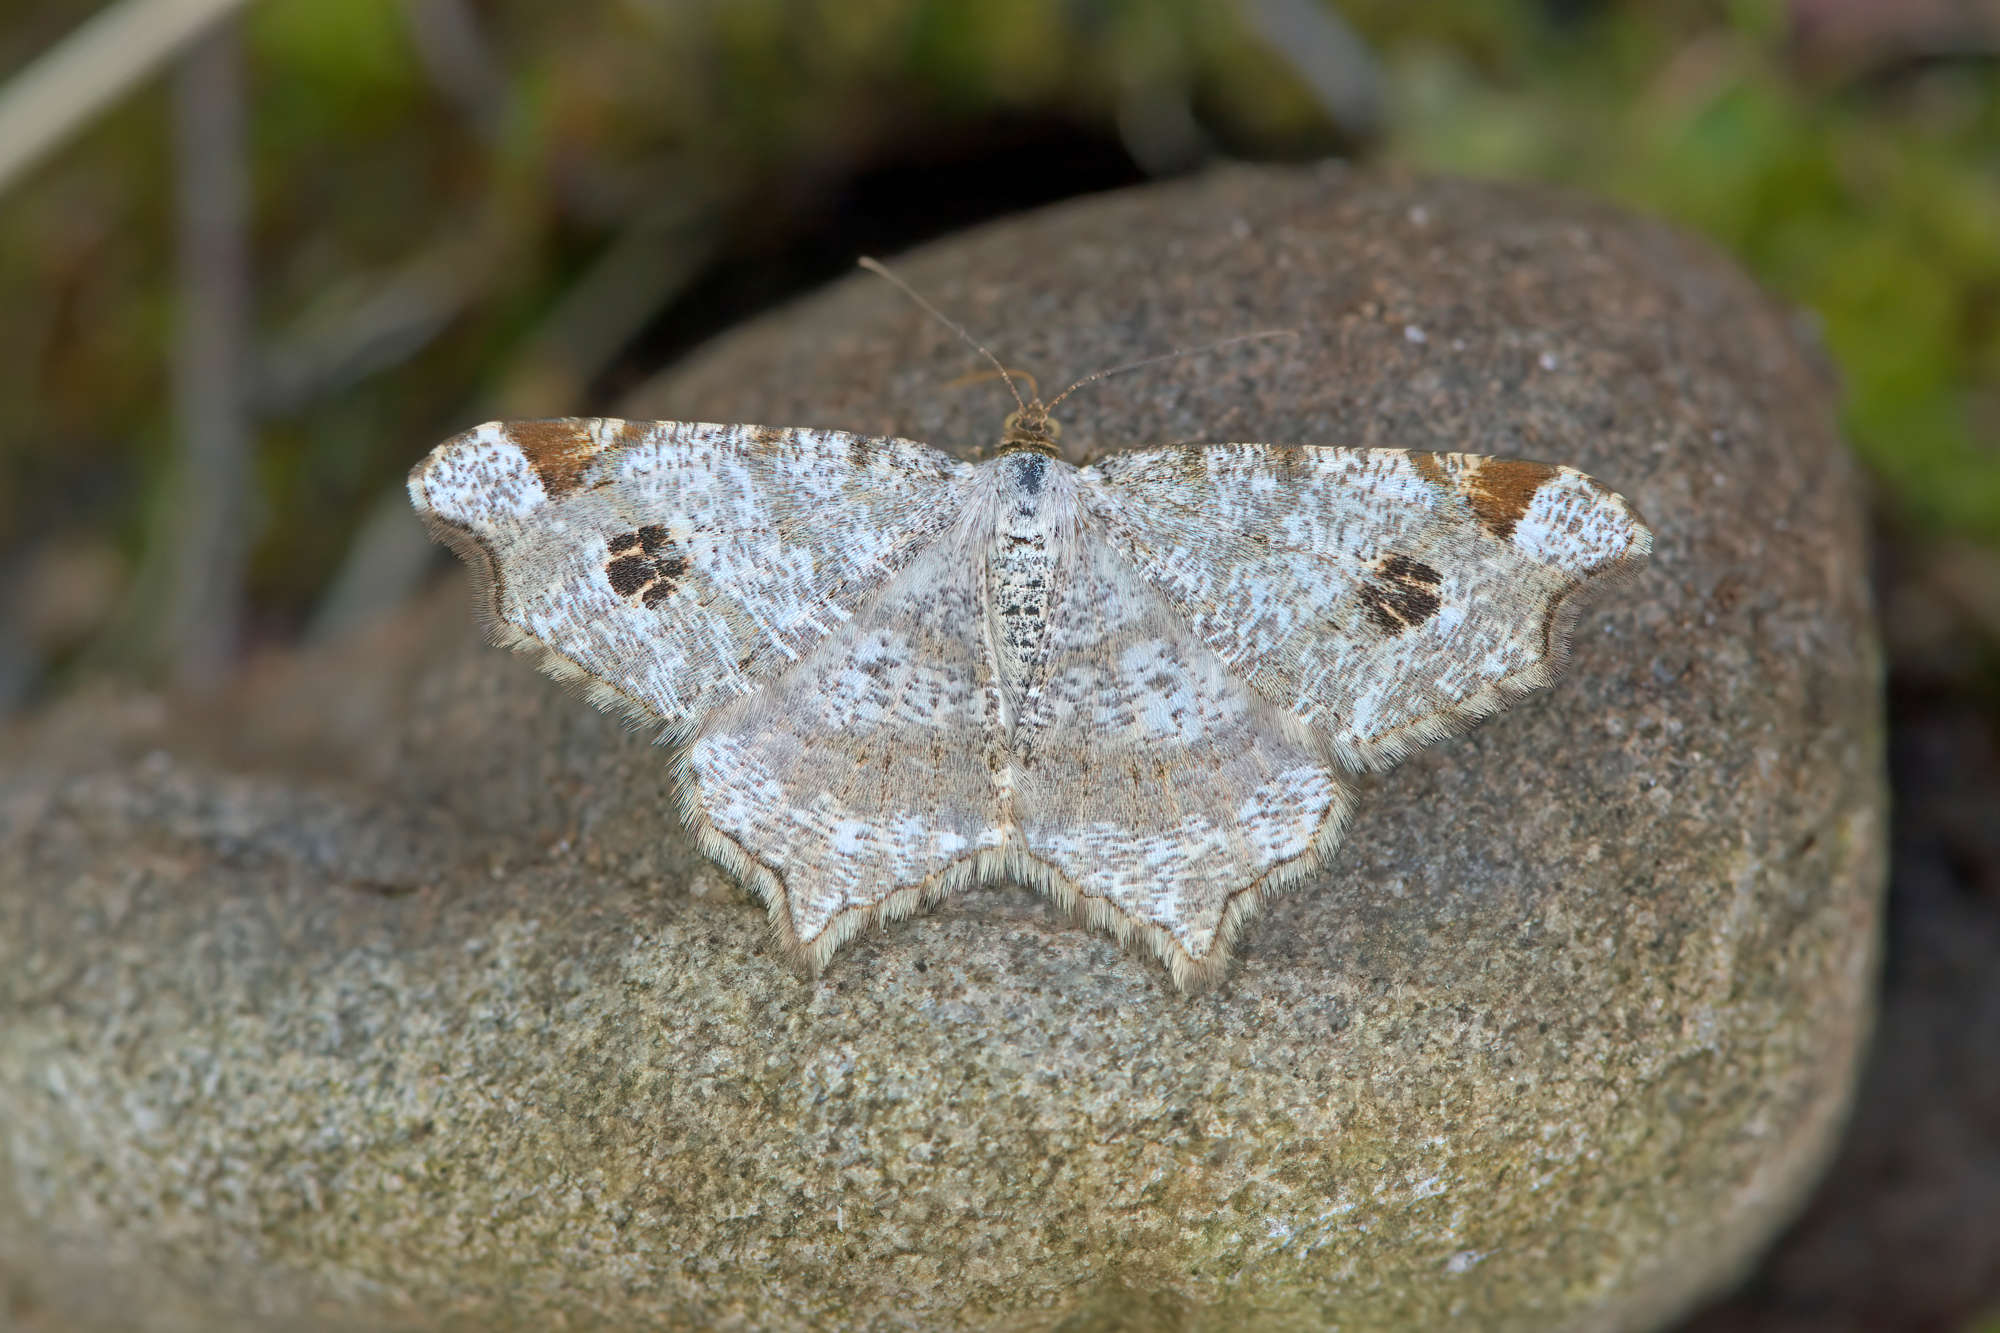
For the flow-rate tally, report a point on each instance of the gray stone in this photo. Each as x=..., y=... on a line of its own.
x=389, y=988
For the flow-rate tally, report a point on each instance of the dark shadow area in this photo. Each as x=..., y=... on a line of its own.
x=1903, y=1233
x=810, y=225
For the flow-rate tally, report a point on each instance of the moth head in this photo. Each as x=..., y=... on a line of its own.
x=1030, y=427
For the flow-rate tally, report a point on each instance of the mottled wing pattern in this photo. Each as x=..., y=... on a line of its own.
x=863, y=779
x=1383, y=596
x=675, y=566
x=1163, y=791
x=892, y=673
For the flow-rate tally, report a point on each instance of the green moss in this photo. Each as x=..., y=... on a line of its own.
x=333, y=72
x=1871, y=201
x=1876, y=209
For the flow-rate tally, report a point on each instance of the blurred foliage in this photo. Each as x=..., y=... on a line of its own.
x=1872, y=202
x=450, y=193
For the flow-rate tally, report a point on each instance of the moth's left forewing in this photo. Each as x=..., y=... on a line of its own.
x=1386, y=596
x=672, y=567
x=487, y=491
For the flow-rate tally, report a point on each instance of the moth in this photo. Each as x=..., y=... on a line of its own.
x=1139, y=686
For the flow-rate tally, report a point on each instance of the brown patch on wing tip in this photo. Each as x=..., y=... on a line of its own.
x=1501, y=489
x=560, y=450
x=1428, y=467
x=1404, y=595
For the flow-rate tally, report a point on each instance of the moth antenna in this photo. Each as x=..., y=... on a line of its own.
x=1174, y=355
x=981, y=376
x=881, y=270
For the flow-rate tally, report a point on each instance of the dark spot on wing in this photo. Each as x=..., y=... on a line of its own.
x=645, y=564
x=1380, y=614
x=560, y=451
x=1501, y=490
x=629, y=573
x=1406, y=570
x=1402, y=596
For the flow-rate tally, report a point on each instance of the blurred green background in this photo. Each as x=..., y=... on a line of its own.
x=458, y=208
x=273, y=270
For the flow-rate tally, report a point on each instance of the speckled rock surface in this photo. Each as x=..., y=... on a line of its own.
x=389, y=990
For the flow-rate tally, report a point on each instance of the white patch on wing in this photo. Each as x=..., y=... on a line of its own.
x=485, y=482
x=1574, y=524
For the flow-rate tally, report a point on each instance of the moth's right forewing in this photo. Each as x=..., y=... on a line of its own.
x=674, y=566
x=1387, y=597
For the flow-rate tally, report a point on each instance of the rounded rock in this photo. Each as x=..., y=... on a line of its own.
x=394, y=991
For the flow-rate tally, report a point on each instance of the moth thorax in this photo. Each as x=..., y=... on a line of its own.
x=1030, y=428
x=1022, y=569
